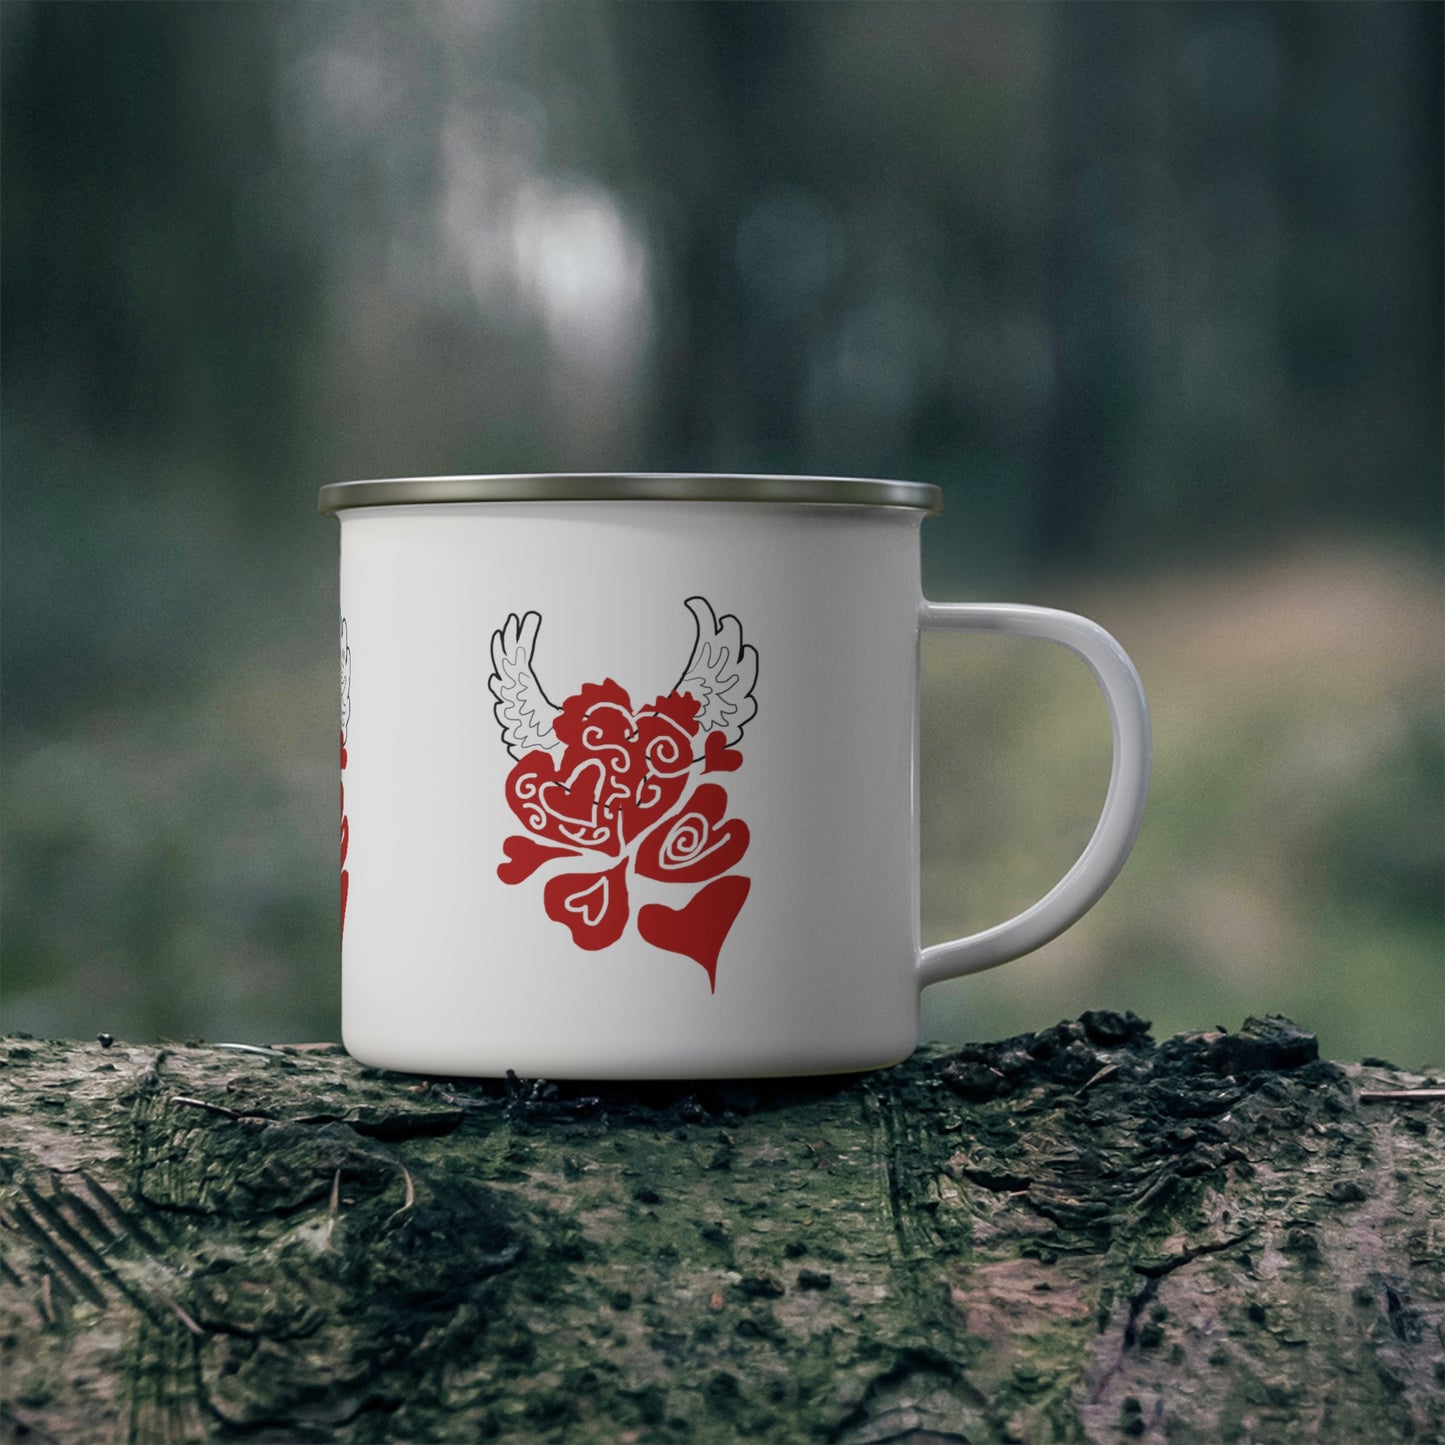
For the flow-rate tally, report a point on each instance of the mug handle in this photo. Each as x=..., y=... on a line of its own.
x=1099, y=864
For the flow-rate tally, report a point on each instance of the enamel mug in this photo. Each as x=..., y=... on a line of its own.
x=630, y=774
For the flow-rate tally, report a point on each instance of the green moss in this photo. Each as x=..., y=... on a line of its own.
x=998, y=1267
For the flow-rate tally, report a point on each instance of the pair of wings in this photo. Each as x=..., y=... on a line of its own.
x=720, y=675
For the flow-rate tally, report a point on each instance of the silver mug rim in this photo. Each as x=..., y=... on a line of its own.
x=630, y=487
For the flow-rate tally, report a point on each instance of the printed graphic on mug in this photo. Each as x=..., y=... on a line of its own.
x=345, y=723
x=613, y=786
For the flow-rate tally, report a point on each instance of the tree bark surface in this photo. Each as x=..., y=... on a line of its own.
x=1077, y=1235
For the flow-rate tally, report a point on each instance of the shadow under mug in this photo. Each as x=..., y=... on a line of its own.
x=630, y=774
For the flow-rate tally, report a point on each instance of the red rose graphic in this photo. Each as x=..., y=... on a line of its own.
x=345, y=723
x=592, y=905
x=606, y=784
x=576, y=805
x=620, y=770
x=345, y=839
x=694, y=844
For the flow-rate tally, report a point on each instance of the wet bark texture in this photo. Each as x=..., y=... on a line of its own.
x=1074, y=1235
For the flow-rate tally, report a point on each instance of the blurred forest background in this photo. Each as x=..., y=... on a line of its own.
x=1152, y=291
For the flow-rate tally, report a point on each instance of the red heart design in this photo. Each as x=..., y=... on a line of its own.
x=345, y=844
x=700, y=929
x=718, y=757
x=575, y=811
x=619, y=773
x=592, y=905
x=524, y=857
x=662, y=750
x=694, y=844
x=599, y=716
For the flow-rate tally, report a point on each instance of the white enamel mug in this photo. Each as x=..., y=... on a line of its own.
x=630, y=775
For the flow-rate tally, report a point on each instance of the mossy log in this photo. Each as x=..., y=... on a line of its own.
x=1073, y=1235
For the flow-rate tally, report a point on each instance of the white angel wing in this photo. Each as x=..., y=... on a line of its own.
x=721, y=673
x=345, y=679
x=524, y=712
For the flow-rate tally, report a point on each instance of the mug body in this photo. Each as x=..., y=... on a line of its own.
x=629, y=787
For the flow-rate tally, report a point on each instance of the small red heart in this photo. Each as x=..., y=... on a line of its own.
x=717, y=756
x=592, y=905
x=700, y=929
x=524, y=857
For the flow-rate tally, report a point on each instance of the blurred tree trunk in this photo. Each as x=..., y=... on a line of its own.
x=1075, y=1235
x=708, y=127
